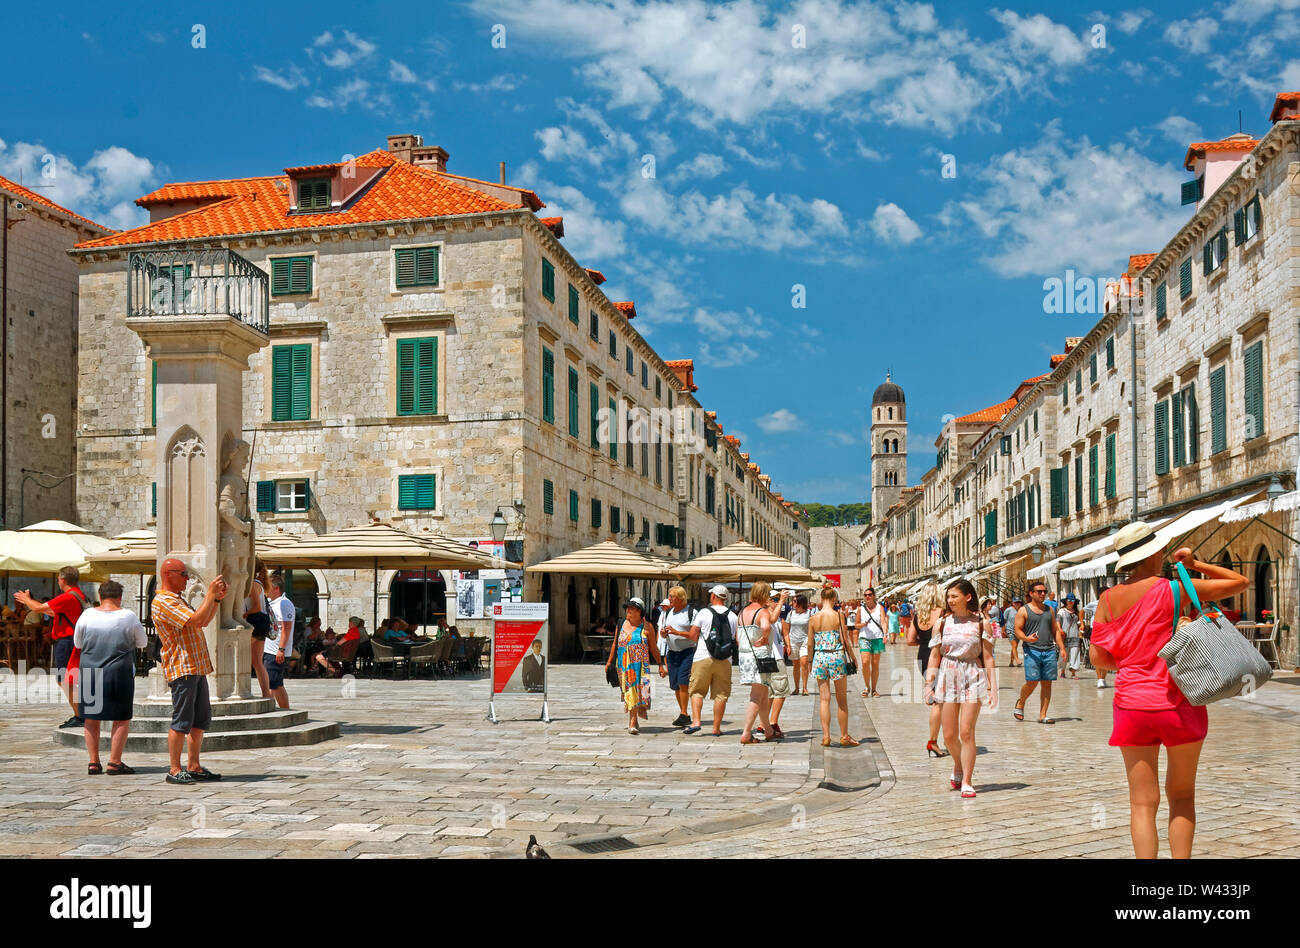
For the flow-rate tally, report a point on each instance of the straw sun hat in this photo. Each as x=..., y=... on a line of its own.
x=1134, y=543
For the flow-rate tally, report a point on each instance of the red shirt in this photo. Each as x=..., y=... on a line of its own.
x=1134, y=639
x=67, y=608
x=353, y=634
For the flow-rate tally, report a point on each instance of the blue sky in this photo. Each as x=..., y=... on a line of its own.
x=709, y=158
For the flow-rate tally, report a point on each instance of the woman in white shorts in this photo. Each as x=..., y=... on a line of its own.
x=799, y=648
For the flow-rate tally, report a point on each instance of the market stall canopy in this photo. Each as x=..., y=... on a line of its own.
x=607, y=558
x=47, y=547
x=742, y=560
x=1167, y=534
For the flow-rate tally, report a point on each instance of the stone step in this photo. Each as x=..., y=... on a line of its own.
x=310, y=732
x=227, y=722
x=242, y=706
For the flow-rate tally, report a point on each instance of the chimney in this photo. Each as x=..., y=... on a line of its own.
x=399, y=146
x=503, y=172
x=1212, y=163
x=410, y=148
x=1286, y=107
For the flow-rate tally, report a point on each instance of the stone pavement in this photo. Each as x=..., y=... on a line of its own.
x=419, y=771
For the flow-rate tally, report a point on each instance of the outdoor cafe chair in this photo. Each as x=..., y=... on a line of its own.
x=384, y=657
x=421, y=655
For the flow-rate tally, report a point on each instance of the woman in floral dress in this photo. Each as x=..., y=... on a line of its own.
x=961, y=644
x=633, y=650
x=831, y=642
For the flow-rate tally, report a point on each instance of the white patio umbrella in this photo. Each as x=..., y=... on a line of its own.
x=739, y=561
x=47, y=547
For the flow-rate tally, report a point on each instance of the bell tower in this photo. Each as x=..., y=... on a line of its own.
x=888, y=447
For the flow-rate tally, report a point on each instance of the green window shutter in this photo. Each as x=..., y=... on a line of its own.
x=548, y=497
x=306, y=495
x=416, y=491
x=1193, y=423
x=595, y=327
x=1078, y=381
x=1162, y=301
x=1094, y=479
x=1192, y=191
x=1185, y=279
x=279, y=277
x=416, y=380
x=153, y=393
x=1078, y=483
x=595, y=514
x=405, y=492
x=1179, y=427
x=548, y=280
x=573, y=304
x=1057, y=490
x=153, y=499
x=426, y=266
x=575, y=427
x=1254, y=379
x=593, y=398
x=1218, y=410
x=1110, y=353
x=613, y=430
x=1092, y=368
x=991, y=528
x=548, y=386
x=1207, y=257
x=1223, y=245
x=1112, y=486
x=1162, y=437
x=265, y=496
x=573, y=506
x=405, y=262
x=300, y=404
x=1239, y=226
x=314, y=195
x=615, y=520
x=281, y=382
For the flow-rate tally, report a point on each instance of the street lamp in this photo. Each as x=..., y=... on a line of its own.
x=499, y=527
x=1037, y=553
x=643, y=546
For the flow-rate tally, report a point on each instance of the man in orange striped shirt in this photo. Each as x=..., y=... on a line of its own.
x=186, y=665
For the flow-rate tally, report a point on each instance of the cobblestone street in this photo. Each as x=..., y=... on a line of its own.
x=419, y=771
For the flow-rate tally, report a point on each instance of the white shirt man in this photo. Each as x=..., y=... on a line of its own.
x=710, y=676
x=279, y=642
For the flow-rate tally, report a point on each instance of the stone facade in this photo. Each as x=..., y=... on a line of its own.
x=41, y=358
x=836, y=550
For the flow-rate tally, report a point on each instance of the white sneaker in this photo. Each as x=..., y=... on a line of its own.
x=1101, y=682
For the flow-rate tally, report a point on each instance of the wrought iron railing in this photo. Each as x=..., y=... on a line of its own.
x=214, y=282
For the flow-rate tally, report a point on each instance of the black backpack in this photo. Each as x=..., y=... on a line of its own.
x=720, y=642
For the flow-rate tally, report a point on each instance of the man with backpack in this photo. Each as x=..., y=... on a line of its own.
x=66, y=608
x=675, y=625
x=714, y=632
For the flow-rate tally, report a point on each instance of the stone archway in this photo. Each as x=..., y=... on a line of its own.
x=384, y=602
x=1263, y=580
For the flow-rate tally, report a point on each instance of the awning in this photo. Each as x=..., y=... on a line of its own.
x=1285, y=502
x=991, y=568
x=1082, y=554
x=1168, y=533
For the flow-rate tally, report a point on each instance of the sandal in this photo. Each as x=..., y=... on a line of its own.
x=847, y=741
x=777, y=732
x=866, y=694
x=875, y=694
x=748, y=740
x=826, y=742
x=1047, y=720
x=93, y=769
x=1018, y=712
x=115, y=770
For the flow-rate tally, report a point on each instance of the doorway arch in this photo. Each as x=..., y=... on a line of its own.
x=1263, y=585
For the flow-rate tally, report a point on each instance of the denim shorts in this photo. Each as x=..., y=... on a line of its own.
x=274, y=671
x=1040, y=664
x=679, y=668
x=191, y=707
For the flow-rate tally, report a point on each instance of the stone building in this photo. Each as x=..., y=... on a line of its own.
x=1178, y=407
x=836, y=551
x=38, y=394
x=436, y=356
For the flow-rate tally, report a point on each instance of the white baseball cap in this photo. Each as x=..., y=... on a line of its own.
x=721, y=591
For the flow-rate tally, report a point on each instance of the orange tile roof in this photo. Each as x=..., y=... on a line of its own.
x=1285, y=101
x=28, y=195
x=991, y=415
x=1059, y=358
x=1139, y=262
x=246, y=206
x=596, y=276
x=529, y=198
x=627, y=308
x=732, y=439
x=684, y=369
x=1199, y=149
x=711, y=415
x=554, y=224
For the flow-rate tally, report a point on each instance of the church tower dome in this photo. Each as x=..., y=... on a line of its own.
x=888, y=447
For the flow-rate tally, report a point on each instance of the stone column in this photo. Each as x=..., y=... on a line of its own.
x=201, y=472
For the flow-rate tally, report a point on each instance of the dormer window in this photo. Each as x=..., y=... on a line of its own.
x=1194, y=191
x=314, y=194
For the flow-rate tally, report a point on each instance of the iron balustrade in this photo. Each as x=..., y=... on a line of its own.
x=185, y=282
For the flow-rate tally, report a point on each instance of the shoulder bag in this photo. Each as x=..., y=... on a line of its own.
x=611, y=670
x=1208, y=658
x=765, y=664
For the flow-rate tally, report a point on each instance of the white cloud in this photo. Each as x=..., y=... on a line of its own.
x=506, y=82
x=400, y=72
x=1290, y=78
x=780, y=421
x=559, y=143
x=353, y=91
x=892, y=225
x=1251, y=11
x=344, y=54
x=1180, y=130
x=868, y=153
x=703, y=166
x=1039, y=34
x=288, y=80
x=1192, y=35
x=103, y=189
x=1064, y=202
x=724, y=355
x=1130, y=20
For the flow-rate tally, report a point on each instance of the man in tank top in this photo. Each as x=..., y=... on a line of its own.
x=1038, y=630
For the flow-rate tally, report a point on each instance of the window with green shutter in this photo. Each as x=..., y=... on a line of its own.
x=991, y=528
x=574, y=305
x=266, y=496
x=1078, y=381
x=416, y=491
x=1162, y=301
x=1193, y=191
x=595, y=514
x=595, y=327
x=1094, y=478
x=1185, y=279
x=1078, y=483
x=1110, y=353
x=1162, y=437
x=417, y=376
x=314, y=194
x=1059, y=505
x=593, y=402
x=548, y=386
x=1252, y=218
x=615, y=520
x=548, y=279
x=1092, y=369
x=575, y=428
x=1178, y=427
x=290, y=276
x=548, y=497
x=613, y=344
x=291, y=382
x=613, y=430
x=573, y=506
x=153, y=392
x=628, y=352
x=1193, y=423
x=1112, y=485
x=1254, y=390
x=417, y=266
x=1218, y=410
x=153, y=499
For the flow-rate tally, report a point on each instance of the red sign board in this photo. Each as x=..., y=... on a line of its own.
x=833, y=579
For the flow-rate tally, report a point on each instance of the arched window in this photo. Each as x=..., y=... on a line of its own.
x=895, y=451
x=891, y=414
x=1263, y=583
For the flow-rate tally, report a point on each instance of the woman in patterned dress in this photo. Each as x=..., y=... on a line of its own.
x=960, y=645
x=633, y=649
x=829, y=636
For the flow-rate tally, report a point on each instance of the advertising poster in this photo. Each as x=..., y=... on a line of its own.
x=469, y=598
x=833, y=579
x=520, y=651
